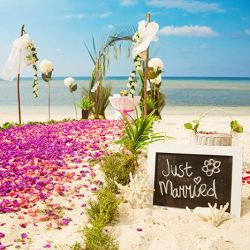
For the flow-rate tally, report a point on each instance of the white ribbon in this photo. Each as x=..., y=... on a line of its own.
x=95, y=87
x=17, y=59
x=147, y=32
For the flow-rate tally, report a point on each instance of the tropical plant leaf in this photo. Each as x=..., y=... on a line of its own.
x=188, y=126
x=138, y=133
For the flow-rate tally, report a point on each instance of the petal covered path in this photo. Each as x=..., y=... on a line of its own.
x=33, y=158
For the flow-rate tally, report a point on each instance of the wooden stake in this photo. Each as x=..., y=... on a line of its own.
x=49, y=99
x=146, y=73
x=18, y=88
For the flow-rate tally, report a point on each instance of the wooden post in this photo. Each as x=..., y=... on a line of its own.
x=146, y=73
x=18, y=88
x=49, y=99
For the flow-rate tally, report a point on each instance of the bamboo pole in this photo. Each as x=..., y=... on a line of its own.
x=49, y=99
x=74, y=99
x=146, y=73
x=18, y=88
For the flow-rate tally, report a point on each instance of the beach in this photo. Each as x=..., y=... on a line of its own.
x=125, y=133
x=141, y=229
x=40, y=113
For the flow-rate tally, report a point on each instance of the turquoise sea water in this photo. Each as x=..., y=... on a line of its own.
x=180, y=91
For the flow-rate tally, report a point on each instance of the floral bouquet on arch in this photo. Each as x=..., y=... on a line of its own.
x=142, y=38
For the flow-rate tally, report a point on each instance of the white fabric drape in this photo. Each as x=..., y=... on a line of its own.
x=147, y=34
x=17, y=59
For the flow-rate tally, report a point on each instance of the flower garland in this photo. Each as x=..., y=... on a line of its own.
x=138, y=62
x=132, y=80
x=32, y=59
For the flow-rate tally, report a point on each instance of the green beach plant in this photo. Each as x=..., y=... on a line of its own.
x=138, y=133
x=8, y=125
x=96, y=239
x=85, y=103
x=76, y=246
x=101, y=212
x=194, y=125
x=104, y=209
x=236, y=127
x=117, y=167
x=101, y=60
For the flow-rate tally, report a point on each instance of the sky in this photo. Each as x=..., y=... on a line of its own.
x=196, y=37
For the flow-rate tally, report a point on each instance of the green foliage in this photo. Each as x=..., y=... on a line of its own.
x=192, y=125
x=156, y=101
x=96, y=239
x=236, y=127
x=47, y=77
x=100, y=57
x=100, y=100
x=117, y=167
x=76, y=246
x=85, y=103
x=101, y=212
x=8, y=125
x=101, y=60
x=161, y=101
x=72, y=88
x=138, y=133
x=104, y=209
x=153, y=74
x=150, y=104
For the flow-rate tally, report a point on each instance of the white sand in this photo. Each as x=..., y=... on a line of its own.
x=177, y=229
x=40, y=113
x=161, y=228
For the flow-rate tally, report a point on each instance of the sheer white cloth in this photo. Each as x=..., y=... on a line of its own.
x=147, y=35
x=17, y=59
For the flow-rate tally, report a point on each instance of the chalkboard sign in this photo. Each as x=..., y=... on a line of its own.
x=194, y=176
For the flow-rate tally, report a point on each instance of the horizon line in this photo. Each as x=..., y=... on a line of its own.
x=113, y=76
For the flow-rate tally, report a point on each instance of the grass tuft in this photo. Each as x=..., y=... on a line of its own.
x=117, y=167
x=96, y=239
x=103, y=210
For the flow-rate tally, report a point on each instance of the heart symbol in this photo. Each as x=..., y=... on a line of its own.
x=197, y=180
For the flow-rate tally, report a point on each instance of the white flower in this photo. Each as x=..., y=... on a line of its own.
x=147, y=33
x=132, y=74
x=137, y=64
x=46, y=67
x=128, y=85
x=132, y=91
x=156, y=64
x=148, y=86
x=139, y=57
x=142, y=26
x=157, y=80
x=95, y=87
x=69, y=81
x=139, y=67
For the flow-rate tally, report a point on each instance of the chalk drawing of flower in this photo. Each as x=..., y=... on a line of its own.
x=211, y=167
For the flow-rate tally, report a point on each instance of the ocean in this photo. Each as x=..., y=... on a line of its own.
x=180, y=91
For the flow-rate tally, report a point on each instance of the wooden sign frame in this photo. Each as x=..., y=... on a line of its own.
x=235, y=152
